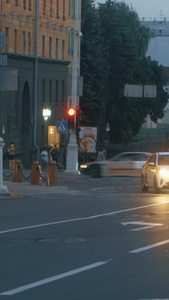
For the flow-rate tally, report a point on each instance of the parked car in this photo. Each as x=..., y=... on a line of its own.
x=155, y=173
x=125, y=163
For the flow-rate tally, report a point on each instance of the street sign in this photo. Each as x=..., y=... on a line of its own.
x=61, y=127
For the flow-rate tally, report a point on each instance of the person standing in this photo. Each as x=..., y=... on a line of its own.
x=45, y=158
x=11, y=154
x=101, y=154
x=55, y=154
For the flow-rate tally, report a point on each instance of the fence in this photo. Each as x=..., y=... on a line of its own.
x=151, y=146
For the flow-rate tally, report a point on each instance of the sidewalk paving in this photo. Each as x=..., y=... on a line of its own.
x=25, y=188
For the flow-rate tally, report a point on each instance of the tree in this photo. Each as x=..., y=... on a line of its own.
x=93, y=69
x=114, y=49
x=127, y=41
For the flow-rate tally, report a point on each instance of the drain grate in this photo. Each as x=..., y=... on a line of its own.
x=62, y=240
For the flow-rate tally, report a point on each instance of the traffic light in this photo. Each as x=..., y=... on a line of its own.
x=71, y=118
x=78, y=121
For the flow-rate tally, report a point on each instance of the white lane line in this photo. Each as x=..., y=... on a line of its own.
x=51, y=279
x=149, y=247
x=84, y=218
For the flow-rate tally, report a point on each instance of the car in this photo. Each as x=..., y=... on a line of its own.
x=125, y=163
x=155, y=173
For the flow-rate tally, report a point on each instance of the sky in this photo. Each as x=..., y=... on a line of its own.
x=154, y=9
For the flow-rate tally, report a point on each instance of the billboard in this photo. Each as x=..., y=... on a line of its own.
x=88, y=140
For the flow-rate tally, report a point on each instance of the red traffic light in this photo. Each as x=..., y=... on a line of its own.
x=71, y=118
x=71, y=112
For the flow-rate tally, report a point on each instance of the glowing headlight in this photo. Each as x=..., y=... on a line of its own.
x=164, y=173
x=83, y=166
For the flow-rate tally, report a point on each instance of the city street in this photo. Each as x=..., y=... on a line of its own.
x=95, y=239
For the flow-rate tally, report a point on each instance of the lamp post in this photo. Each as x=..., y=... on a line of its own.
x=72, y=148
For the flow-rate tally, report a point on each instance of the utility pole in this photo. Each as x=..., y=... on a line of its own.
x=72, y=148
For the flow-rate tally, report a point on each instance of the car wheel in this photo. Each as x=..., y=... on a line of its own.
x=143, y=187
x=95, y=172
x=156, y=188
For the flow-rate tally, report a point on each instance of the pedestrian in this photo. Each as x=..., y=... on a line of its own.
x=101, y=154
x=45, y=158
x=55, y=154
x=11, y=154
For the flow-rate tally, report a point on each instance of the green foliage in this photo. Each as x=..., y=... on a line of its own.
x=114, y=46
x=92, y=66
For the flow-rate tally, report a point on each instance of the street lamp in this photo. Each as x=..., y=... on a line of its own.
x=46, y=112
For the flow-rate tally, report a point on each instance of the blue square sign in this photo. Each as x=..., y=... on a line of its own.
x=62, y=127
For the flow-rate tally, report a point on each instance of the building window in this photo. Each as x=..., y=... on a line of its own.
x=23, y=42
x=29, y=43
x=16, y=2
x=63, y=91
x=56, y=49
x=7, y=36
x=15, y=41
x=63, y=48
x=56, y=96
x=50, y=47
x=73, y=8
x=43, y=46
x=50, y=91
x=70, y=3
x=69, y=41
x=24, y=3
x=43, y=91
x=72, y=42
x=51, y=6
x=64, y=10
x=44, y=7
x=57, y=8
x=7, y=1
x=30, y=4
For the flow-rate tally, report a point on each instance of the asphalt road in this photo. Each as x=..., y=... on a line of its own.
x=102, y=240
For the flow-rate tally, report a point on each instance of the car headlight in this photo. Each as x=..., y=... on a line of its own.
x=164, y=173
x=83, y=166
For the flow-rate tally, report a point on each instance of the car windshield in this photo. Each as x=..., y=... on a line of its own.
x=163, y=160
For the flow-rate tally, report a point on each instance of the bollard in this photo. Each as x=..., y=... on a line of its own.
x=36, y=173
x=17, y=172
x=52, y=174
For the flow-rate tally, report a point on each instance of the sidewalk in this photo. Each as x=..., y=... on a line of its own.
x=25, y=188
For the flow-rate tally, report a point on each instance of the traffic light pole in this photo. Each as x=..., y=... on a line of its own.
x=72, y=148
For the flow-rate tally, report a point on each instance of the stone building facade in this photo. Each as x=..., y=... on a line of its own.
x=37, y=40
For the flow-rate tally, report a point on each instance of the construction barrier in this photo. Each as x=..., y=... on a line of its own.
x=52, y=174
x=17, y=172
x=36, y=177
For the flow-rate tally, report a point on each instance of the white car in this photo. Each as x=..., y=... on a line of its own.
x=155, y=173
x=125, y=163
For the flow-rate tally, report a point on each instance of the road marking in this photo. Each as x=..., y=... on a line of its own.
x=145, y=225
x=82, y=219
x=149, y=247
x=53, y=278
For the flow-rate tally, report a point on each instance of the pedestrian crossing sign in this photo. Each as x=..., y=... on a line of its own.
x=62, y=127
